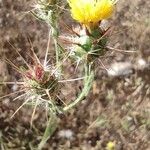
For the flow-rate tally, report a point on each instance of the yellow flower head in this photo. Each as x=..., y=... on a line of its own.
x=110, y=145
x=90, y=12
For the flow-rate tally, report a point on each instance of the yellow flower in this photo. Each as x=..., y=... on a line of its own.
x=91, y=12
x=110, y=145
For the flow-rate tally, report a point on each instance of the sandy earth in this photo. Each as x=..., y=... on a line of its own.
x=117, y=108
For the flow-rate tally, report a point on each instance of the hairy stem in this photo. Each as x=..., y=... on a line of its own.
x=89, y=77
x=57, y=51
x=50, y=129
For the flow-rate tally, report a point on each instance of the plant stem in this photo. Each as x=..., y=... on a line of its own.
x=89, y=77
x=50, y=129
x=47, y=49
x=57, y=51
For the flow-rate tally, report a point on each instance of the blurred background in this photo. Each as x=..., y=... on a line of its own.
x=117, y=108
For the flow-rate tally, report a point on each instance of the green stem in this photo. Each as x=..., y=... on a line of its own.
x=57, y=51
x=89, y=77
x=55, y=34
x=50, y=129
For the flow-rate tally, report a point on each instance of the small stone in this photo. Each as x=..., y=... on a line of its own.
x=120, y=69
x=142, y=64
x=68, y=134
x=6, y=101
x=15, y=87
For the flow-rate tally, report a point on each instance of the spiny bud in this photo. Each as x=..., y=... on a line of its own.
x=89, y=46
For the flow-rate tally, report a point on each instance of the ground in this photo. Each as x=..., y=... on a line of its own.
x=116, y=110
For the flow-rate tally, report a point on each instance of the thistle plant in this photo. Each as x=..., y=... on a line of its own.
x=42, y=81
x=49, y=11
x=92, y=41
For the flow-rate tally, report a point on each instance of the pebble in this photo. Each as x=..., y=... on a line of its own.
x=68, y=134
x=142, y=64
x=120, y=69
